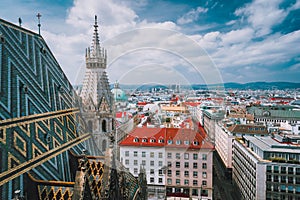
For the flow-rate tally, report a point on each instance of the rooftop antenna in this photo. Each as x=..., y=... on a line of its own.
x=20, y=22
x=39, y=22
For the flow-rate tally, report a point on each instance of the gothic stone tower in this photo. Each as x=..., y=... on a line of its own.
x=96, y=95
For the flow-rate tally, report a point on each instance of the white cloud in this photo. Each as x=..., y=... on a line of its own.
x=238, y=36
x=165, y=52
x=262, y=15
x=192, y=15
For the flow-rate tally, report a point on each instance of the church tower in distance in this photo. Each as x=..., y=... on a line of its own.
x=97, y=99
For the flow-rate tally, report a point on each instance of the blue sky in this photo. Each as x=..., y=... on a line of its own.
x=186, y=42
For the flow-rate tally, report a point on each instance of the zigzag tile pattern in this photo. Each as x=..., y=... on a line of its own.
x=37, y=111
x=31, y=79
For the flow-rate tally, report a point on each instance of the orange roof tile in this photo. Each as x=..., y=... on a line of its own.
x=181, y=138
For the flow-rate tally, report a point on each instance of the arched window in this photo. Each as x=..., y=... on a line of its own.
x=90, y=126
x=112, y=124
x=104, y=126
x=104, y=144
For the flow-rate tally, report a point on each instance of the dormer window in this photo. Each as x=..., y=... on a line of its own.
x=170, y=141
x=144, y=140
x=161, y=140
x=152, y=140
x=186, y=142
x=136, y=139
x=178, y=142
x=195, y=142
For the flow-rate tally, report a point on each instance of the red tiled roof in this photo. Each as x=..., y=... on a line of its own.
x=174, y=134
x=142, y=103
x=119, y=114
x=193, y=104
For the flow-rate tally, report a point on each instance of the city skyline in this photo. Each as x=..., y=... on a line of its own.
x=245, y=41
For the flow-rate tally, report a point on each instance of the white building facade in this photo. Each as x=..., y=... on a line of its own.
x=178, y=162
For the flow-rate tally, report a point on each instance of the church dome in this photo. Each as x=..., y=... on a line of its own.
x=118, y=94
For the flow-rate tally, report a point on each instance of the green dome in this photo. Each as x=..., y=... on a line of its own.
x=118, y=94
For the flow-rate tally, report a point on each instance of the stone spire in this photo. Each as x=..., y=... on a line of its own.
x=96, y=86
x=96, y=95
x=96, y=49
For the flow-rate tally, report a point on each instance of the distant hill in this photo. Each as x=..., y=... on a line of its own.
x=229, y=85
x=252, y=86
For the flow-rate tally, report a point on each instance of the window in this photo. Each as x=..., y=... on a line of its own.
x=177, y=173
x=178, y=142
x=135, y=170
x=161, y=140
x=177, y=181
x=177, y=155
x=104, y=126
x=169, y=164
x=144, y=162
x=186, y=165
x=143, y=154
x=204, y=166
x=160, y=180
x=169, y=181
x=160, y=163
x=269, y=177
x=135, y=153
x=204, y=175
x=283, y=179
x=195, y=165
x=195, y=156
x=152, y=140
x=151, y=154
x=204, y=183
x=151, y=179
x=126, y=162
x=195, y=182
x=170, y=141
x=160, y=154
x=186, y=182
x=126, y=153
x=291, y=170
x=204, y=157
x=298, y=169
x=195, y=143
x=169, y=172
x=177, y=164
x=151, y=171
x=186, y=156
x=204, y=193
x=195, y=192
x=169, y=155
x=195, y=174
x=160, y=172
x=186, y=173
x=136, y=139
x=135, y=162
x=152, y=163
x=144, y=140
x=283, y=170
x=186, y=142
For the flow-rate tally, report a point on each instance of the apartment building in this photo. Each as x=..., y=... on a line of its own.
x=178, y=162
x=264, y=168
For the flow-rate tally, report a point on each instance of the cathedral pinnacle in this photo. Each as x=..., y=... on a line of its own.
x=96, y=50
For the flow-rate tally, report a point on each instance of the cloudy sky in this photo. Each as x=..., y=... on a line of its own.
x=148, y=41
